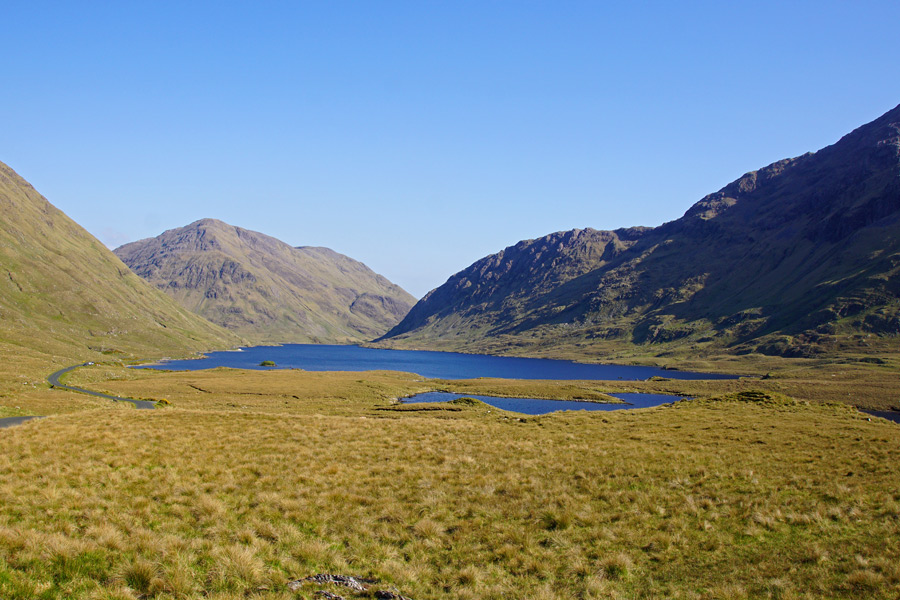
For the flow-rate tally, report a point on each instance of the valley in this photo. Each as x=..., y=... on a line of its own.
x=450, y=301
x=251, y=482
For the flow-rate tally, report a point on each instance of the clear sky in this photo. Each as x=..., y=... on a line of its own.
x=420, y=136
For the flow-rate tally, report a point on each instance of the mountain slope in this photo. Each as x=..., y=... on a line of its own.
x=800, y=257
x=65, y=297
x=266, y=290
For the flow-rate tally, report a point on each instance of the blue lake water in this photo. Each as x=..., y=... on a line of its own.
x=440, y=365
x=538, y=406
x=890, y=415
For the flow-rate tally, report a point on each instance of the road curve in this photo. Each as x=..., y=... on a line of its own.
x=54, y=382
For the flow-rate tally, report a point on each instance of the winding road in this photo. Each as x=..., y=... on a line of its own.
x=55, y=382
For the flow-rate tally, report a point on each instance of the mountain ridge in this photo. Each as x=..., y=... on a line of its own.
x=775, y=262
x=265, y=289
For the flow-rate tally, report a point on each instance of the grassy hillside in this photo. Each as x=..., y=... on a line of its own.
x=266, y=290
x=65, y=298
x=800, y=258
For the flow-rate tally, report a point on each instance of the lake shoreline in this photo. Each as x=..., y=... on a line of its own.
x=649, y=362
x=426, y=363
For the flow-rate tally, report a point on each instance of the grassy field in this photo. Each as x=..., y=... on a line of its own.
x=249, y=480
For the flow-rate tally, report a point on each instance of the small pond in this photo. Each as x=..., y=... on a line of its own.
x=538, y=406
x=10, y=421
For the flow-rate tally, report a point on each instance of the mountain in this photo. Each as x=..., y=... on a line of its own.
x=266, y=290
x=64, y=297
x=799, y=258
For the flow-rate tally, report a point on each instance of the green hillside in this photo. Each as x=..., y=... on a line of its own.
x=800, y=258
x=64, y=297
x=266, y=290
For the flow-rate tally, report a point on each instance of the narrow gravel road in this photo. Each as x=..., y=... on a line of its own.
x=54, y=381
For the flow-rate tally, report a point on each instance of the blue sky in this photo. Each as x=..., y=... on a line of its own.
x=420, y=136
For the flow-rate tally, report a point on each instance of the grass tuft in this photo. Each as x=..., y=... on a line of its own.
x=617, y=566
x=139, y=575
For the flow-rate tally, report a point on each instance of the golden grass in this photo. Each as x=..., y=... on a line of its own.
x=249, y=479
x=281, y=391
x=728, y=498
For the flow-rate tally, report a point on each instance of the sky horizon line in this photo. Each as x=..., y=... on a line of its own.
x=418, y=137
x=113, y=247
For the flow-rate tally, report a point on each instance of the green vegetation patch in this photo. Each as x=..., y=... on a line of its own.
x=473, y=402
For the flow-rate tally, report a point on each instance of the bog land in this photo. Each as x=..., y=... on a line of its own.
x=248, y=480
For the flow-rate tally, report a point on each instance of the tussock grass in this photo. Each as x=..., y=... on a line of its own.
x=735, y=496
x=283, y=392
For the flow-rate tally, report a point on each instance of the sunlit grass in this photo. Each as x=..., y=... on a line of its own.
x=707, y=499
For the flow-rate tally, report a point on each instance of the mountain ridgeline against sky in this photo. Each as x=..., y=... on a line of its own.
x=798, y=258
x=266, y=290
x=65, y=297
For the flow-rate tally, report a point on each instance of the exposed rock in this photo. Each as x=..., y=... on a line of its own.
x=358, y=584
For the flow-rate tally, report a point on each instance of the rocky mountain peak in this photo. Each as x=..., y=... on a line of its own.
x=265, y=289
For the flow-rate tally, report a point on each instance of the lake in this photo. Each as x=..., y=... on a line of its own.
x=539, y=406
x=437, y=365
x=890, y=415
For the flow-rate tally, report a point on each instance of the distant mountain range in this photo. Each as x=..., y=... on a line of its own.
x=265, y=290
x=797, y=259
x=65, y=297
